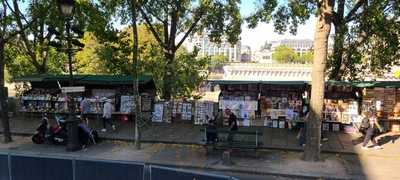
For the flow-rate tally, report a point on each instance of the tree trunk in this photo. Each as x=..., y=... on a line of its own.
x=167, y=80
x=323, y=28
x=135, y=56
x=3, y=97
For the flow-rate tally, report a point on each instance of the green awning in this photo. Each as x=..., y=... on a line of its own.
x=86, y=79
x=230, y=82
x=363, y=84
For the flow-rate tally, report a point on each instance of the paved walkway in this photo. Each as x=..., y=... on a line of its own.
x=189, y=134
x=267, y=162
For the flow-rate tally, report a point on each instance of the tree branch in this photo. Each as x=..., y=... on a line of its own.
x=353, y=11
x=189, y=31
x=151, y=27
x=23, y=35
x=174, y=23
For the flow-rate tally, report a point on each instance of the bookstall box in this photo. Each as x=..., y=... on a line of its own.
x=281, y=105
x=203, y=109
x=45, y=96
x=385, y=101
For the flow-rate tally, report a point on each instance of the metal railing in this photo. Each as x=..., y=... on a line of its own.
x=40, y=167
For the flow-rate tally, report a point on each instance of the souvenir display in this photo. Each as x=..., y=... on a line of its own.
x=203, y=108
x=146, y=101
x=127, y=104
x=158, y=112
x=341, y=111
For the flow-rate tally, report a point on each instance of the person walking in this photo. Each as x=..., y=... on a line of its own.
x=107, y=112
x=85, y=109
x=371, y=127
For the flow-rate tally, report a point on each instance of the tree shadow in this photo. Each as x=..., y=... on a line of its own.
x=388, y=138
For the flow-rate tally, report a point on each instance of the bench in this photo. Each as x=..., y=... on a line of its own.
x=242, y=139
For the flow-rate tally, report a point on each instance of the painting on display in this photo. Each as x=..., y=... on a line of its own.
x=127, y=104
x=158, y=112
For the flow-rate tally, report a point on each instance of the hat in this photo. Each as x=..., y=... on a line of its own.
x=103, y=99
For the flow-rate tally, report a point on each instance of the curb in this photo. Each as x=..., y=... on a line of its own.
x=198, y=144
x=249, y=172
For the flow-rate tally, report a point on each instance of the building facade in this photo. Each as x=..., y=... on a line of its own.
x=262, y=56
x=246, y=53
x=208, y=48
x=300, y=46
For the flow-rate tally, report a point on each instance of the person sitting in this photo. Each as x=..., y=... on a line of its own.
x=86, y=134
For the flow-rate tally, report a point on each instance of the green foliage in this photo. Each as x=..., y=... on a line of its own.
x=39, y=16
x=306, y=58
x=217, y=62
x=88, y=60
x=18, y=64
x=366, y=32
x=397, y=74
x=284, y=54
x=116, y=58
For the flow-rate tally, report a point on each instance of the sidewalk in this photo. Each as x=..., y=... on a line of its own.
x=272, y=162
x=280, y=139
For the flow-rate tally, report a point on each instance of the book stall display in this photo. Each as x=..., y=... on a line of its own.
x=340, y=107
x=46, y=100
x=45, y=94
x=182, y=111
x=337, y=113
x=280, y=105
x=385, y=102
x=271, y=105
x=203, y=108
x=242, y=100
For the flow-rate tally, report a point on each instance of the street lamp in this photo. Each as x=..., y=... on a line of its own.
x=66, y=8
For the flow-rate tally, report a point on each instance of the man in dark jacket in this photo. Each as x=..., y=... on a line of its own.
x=233, y=124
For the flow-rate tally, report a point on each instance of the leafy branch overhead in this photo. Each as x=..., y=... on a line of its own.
x=366, y=36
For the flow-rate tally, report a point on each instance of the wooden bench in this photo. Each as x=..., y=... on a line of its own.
x=242, y=139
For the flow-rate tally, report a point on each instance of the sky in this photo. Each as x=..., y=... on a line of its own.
x=256, y=37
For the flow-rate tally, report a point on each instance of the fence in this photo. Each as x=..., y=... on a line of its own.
x=38, y=167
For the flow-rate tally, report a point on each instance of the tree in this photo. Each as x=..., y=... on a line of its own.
x=362, y=33
x=88, y=61
x=42, y=15
x=7, y=32
x=306, y=58
x=365, y=31
x=322, y=31
x=298, y=12
x=188, y=17
x=284, y=54
x=217, y=62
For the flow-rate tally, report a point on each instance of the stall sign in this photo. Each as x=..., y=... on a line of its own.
x=72, y=89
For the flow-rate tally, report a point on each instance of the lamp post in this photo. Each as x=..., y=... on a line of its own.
x=66, y=7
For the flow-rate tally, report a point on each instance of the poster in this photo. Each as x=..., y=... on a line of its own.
x=238, y=104
x=146, y=103
x=127, y=104
x=158, y=112
x=166, y=116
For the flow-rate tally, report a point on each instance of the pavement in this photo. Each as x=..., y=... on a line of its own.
x=268, y=163
x=176, y=145
x=185, y=133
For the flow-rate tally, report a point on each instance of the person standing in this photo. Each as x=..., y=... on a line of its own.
x=85, y=109
x=107, y=112
x=232, y=123
x=371, y=132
